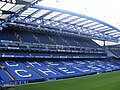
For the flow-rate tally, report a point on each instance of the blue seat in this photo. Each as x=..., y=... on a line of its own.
x=7, y=35
x=19, y=71
x=58, y=40
x=4, y=77
x=26, y=36
x=67, y=71
x=43, y=70
x=44, y=39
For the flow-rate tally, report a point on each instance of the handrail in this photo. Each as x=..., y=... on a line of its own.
x=49, y=46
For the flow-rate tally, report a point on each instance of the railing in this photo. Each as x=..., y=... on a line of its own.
x=5, y=44
x=46, y=56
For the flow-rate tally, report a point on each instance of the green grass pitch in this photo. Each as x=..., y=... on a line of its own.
x=105, y=81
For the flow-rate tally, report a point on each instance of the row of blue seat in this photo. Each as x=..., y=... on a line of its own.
x=15, y=71
x=33, y=37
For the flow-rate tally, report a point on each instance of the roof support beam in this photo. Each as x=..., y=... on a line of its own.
x=55, y=21
x=42, y=16
x=7, y=12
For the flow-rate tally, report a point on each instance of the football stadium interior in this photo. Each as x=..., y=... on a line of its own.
x=40, y=44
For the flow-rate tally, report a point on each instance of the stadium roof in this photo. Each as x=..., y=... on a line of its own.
x=8, y=7
x=36, y=15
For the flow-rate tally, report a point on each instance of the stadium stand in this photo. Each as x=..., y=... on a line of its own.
x=49, y=57
x=23, y=36
x=42, y=50
x=7, y=35
x=30, y=71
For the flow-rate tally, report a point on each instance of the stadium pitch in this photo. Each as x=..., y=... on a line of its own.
x=105, y=81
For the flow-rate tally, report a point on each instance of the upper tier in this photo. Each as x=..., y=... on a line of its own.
x=46, y=38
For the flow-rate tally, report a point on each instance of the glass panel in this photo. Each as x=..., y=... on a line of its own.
x=110, y=31
x=88, y=21
x=78, y=20
x=90, y=24
x=2, y=3
x=27, y=0
x=4, y=16
x=17, y=7
x=7, y=6
x=117, y=36
x=68, y=19
x=97, y=26
x=86, y=8
x=29, y=11
x=62, y=16
x=52, y=15
x=40, y=13
x=114, y=33
x=102, y=27
x=117, y=33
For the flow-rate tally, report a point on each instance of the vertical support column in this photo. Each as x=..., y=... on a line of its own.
x=105, y=48
x=104, y=44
